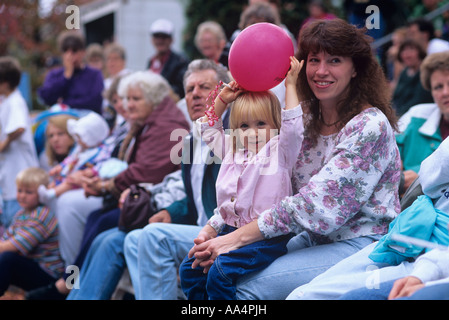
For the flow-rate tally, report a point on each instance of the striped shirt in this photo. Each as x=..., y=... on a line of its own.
x=35, y=235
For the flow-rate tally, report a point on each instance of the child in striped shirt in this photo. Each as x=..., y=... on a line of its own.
x=29, y=250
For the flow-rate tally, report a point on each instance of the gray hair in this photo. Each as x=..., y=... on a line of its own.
x=206, y=64
x=154, y=87
x=115, y=48
x=258, y=12
x=210, y=26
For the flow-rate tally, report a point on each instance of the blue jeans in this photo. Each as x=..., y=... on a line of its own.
x=432, y=292
x=380, y=293
x=153, y=255
x=102, y=268
x=304, y=261
x=219, y=283
x=354, y=272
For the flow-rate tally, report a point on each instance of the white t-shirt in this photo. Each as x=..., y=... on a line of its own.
x=197, y=175
x=21, y=153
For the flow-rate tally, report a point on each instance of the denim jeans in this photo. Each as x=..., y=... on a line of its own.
x=431, y=292
x=354, y=272
x=380, y=292
x=102, y=268
x=304, y=261
x=153, y=255
x=219, y=283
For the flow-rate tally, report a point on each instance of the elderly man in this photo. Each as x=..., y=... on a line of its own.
x=154, y=253
x=179, y=223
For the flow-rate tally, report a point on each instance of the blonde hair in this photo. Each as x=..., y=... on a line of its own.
x=210, y=26
x=256, y=105
x=433, y=62
x=32, y=177
x=94, y=50
x=262, y=105
x=115, y=48
x=59, y=121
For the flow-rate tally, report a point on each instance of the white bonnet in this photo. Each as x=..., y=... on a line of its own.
x=92, y=129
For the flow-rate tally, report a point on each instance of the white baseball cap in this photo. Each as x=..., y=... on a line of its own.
x=162, y=26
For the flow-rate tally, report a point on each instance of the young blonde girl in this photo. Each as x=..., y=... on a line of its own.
x=89, y=133
x=257, y=156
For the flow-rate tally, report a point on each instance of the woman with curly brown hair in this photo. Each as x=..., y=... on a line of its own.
x=346, y=177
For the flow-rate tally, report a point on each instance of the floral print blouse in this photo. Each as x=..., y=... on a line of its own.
x=345, y=186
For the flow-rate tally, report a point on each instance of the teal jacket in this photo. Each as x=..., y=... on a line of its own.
x=422, y=221
x=420, y=134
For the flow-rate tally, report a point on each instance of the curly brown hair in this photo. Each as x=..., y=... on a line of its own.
x=368, y=88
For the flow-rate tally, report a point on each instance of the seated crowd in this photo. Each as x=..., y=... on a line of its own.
x=229, y=221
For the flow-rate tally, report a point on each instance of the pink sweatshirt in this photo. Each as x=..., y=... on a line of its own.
x=247, y=183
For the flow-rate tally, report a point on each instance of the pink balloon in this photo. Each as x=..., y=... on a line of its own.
x=259, y=57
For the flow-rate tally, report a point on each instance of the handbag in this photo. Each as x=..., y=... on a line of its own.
x=136, y=210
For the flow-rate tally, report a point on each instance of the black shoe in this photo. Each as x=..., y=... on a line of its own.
x=48, y=292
